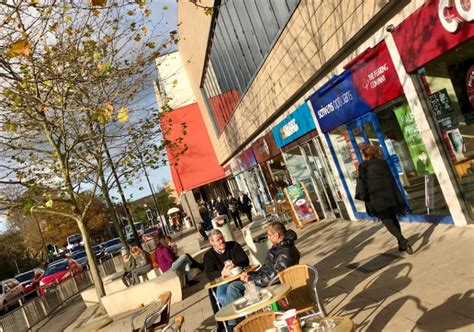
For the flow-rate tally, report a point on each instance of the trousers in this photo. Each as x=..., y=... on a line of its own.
x=393, y=226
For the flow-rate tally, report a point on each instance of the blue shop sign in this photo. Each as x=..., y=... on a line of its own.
x=294, y=126
x=338, y=102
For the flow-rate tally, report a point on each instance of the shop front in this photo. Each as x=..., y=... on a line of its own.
x=366, y=105
x=440, y=60
x=307, y=163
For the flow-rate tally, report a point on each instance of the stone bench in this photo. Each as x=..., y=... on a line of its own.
x=142, y=294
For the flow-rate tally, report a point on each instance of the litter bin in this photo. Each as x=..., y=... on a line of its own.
x=222, y=223
x=255, y=235
x=187, y=222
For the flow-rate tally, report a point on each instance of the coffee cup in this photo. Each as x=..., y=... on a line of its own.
x=289, y=316
x=236, y=270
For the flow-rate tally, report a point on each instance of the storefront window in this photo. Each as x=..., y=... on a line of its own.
x=449, y=87
x=280, y=174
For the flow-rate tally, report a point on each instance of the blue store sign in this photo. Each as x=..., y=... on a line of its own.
x=337, y=102
x=294, y=126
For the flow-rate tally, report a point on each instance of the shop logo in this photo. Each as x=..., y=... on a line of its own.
x=376, y=78
x=342, y=99
x=451, y=18
x=289, y=129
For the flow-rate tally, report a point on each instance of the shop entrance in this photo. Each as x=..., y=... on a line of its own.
x=307, y=164
x=387, y=129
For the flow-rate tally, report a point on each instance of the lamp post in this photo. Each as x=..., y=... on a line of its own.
x=41, y=234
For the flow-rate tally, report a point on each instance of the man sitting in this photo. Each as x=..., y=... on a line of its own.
x=214, y=266
x=281, y=255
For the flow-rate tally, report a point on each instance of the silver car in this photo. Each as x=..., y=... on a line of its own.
x=112, y=247
x=10, y=292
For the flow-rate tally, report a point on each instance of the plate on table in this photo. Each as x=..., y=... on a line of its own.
x=245, y=303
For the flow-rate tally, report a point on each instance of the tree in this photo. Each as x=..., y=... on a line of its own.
x=68, y=71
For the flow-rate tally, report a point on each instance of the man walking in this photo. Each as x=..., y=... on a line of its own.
x=234, y=207
x=246, y=205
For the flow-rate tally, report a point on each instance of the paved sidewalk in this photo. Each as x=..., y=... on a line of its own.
x=432, y=290
x=364, y=277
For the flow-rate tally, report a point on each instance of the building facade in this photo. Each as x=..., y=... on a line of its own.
x=320, y=79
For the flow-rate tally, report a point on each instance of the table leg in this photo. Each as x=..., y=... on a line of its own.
x=219, y=306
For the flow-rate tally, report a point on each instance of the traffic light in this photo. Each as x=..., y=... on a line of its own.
x=149, y=215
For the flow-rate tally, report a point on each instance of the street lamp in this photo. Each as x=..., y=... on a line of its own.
x=41, y=234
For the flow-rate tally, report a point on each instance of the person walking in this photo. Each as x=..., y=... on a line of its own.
x=234, y=207
x=220, y=206
x=246, y=205
x=378, y=189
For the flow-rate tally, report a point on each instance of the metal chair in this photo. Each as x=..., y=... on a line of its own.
x=303, y=279
x=156, y=314
x=256, y=323
x=175, y=325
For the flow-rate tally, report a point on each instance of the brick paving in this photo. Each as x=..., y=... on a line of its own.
x=364, y=277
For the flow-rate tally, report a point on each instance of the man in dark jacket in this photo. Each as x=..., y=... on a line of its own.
x=281, y=255
x=246, y=205
x=220, y=206
x=219, y=260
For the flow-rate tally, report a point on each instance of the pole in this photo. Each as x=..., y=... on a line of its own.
x=183, y=192
x=42, y=237
x=151, y=187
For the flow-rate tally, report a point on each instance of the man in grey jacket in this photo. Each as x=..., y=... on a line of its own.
x=281, y=255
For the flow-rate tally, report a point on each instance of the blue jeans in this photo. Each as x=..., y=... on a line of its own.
x=228, y=293
x=183, y=264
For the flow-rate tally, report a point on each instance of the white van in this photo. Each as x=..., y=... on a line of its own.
x=74, y=241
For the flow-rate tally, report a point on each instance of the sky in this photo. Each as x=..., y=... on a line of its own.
x=169, y=21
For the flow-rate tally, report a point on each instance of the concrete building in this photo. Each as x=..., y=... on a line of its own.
x=319, y=79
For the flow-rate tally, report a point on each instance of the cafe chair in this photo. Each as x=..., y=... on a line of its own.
x=175, y=325
x=156, y=315
x=256, y=323
x=304, y=294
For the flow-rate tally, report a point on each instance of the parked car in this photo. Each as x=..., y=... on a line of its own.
x=58, y=271
x=30, y=280
x=10, y=292
x=98, y=250
x=74, y=241
x=112, y=247
x=81, y=258
x=150, y=233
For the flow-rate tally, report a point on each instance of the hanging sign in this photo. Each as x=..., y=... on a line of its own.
x=294, y=126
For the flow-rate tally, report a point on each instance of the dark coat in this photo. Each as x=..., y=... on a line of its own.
x=214, y=262
x=377, y=187
x=221, y=207
x=245, y=203
x=279, y=257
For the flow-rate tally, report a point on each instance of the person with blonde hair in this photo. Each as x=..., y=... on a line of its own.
x=378, y=189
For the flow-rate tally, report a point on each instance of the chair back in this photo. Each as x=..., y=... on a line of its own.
x=175, y=325
x=165, y=299
x=256, y=323
x=304, y=294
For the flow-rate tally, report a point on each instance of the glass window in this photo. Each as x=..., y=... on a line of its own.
x=448, y=83
x=244, y=33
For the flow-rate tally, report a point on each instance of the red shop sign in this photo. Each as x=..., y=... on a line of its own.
x=375, y=77
x=436, y=27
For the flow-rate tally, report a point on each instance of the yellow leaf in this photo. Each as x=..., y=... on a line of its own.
x=145, y=30
x=95, y=12
x=49, y=203
x=34, y=2
x=138, y=37
x=109, y=107
x=10, y=127
x=147, y=12
x=98, y=2
x=122, y=115
x=21, y=47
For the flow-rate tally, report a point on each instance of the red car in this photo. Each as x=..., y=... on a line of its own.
x=57, y=271
x=30, y=280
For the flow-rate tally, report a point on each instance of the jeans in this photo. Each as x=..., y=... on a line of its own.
x=228, y=293
x=236, y=216
x=140, y=271
x=183, y=264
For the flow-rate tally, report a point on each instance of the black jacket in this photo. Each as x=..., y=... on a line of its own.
x=214, y=262
x=245, y=203
x=221, y=207
x=377, y=187
x=279, y=257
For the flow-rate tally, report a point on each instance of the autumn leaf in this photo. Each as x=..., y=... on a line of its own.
x=138, y=37
x=10, y=127
x=98, y=2
x=165, y=7
x=147, y=12
x=209, y=11
x=150, y=45
x=96, y=56
x=20, y=48
x=49, y=203
x=145, y=30
x=122, y=115
x=34, y=2
x=95, y=12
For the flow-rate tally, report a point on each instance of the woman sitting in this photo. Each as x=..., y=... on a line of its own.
x=128, y=266
x=143, y=264
x=194, y=263
x=167, y=261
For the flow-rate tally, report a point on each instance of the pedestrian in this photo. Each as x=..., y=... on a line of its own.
x=128, y=265
x=143, y=264
x=221, y=207
x=377, y=187
x=168, y=261
x=234, y=209
x=246, y=205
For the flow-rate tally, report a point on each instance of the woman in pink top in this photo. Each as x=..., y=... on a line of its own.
x=167, y=261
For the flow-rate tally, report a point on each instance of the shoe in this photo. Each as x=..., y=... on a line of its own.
x=192, y=283
x=408, y=248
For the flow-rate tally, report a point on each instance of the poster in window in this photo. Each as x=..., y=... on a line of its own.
x=416, y=147
x=301, y=204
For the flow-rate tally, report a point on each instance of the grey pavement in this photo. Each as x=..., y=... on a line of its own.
x=364, y=277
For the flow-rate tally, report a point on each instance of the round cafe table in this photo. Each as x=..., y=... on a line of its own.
x=229, y=312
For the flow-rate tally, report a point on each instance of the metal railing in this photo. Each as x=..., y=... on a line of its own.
x=30, y=313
